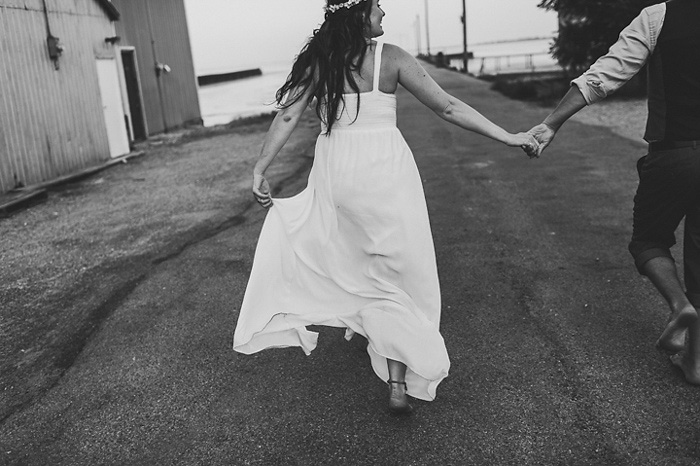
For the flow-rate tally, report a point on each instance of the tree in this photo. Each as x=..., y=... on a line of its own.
x=587, y=28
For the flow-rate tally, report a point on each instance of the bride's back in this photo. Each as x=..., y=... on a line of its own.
x=388, y=77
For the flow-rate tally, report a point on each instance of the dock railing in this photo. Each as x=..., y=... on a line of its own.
x=496, y=65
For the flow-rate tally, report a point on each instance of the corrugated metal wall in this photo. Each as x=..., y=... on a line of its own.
x=158, y=31
x=51, y=121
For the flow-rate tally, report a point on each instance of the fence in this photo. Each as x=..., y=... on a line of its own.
x=541, y=62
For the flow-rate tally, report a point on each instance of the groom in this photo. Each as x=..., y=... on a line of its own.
x=665, y=36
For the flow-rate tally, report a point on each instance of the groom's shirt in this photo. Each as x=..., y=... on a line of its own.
x=667, y=37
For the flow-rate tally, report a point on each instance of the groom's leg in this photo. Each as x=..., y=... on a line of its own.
x=689, y=361
x=663, y=274
x=659, y=206
x=691, y=251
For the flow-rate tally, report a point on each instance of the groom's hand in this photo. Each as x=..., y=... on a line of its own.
x=544, y=135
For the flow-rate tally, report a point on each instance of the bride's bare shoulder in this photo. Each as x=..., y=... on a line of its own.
x=394, y=50
x=397, y=54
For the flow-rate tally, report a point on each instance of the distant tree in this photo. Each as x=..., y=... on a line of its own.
x=587, y=28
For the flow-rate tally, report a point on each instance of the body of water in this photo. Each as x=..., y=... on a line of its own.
x=224, y=102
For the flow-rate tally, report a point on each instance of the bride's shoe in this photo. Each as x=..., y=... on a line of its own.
x=398, y=399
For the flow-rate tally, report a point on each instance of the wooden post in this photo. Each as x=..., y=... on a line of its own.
x=418, y=36
x=427, y=26
x=464, y=20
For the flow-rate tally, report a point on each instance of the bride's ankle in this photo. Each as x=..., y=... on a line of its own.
x=399, y=385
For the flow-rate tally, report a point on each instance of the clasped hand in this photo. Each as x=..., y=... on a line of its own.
x=543, y=134
x=526, y=142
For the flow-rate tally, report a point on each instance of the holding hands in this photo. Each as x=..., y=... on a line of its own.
x=527, y=142
x=544, y=134
x=569, y=105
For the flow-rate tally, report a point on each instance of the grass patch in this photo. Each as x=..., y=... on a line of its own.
x=547, y=91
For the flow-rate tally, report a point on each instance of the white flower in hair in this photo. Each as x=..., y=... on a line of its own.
x=348, y=4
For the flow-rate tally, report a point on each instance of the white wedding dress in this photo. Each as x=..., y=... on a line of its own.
x=353, y=250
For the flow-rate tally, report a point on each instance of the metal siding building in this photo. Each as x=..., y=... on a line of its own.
x=157, y=30
x=51, y=119
x=81, y=102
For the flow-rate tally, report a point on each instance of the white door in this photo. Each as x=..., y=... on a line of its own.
x=110, y=90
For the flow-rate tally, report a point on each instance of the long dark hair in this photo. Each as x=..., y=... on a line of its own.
x=336, y=50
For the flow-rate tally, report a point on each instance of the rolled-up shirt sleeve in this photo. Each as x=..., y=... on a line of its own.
x=624, y=59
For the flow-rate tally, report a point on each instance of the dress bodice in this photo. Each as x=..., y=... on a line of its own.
x=377, y=109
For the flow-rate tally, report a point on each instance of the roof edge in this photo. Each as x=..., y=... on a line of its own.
x=110, y=9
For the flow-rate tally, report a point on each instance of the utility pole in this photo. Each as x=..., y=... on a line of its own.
x=427, y=26
x=464, y=20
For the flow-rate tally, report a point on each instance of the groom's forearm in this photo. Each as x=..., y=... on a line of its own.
x=569, y=105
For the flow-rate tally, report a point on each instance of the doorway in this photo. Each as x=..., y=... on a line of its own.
x=134, y=110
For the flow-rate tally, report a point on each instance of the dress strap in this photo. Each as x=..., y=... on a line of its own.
x=377, y=66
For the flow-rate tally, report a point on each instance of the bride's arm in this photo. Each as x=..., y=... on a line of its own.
x=418, y=82
x=277, y=136
x=280, y=130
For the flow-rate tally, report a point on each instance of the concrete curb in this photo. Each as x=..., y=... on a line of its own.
x=24, y=197
x=14, y=202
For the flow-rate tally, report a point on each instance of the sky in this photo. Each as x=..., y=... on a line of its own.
x=234, y=35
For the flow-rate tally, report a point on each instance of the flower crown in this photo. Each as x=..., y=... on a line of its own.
x=348, y=4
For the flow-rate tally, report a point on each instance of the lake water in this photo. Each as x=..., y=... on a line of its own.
x=224, y=102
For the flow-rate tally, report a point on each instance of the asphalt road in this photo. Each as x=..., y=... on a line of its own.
x=549, y=328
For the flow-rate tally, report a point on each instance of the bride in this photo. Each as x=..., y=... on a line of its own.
x=354, y=250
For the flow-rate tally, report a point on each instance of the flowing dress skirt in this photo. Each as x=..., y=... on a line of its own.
x=353, y=250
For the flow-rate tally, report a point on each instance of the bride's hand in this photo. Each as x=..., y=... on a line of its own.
x=526, y=141
x=261, y=190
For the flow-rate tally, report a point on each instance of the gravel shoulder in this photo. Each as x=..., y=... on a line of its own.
x=67, y=261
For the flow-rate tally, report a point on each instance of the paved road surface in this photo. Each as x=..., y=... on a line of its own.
x=549, y=329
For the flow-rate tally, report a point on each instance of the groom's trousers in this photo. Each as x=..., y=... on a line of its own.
x=669, y=190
